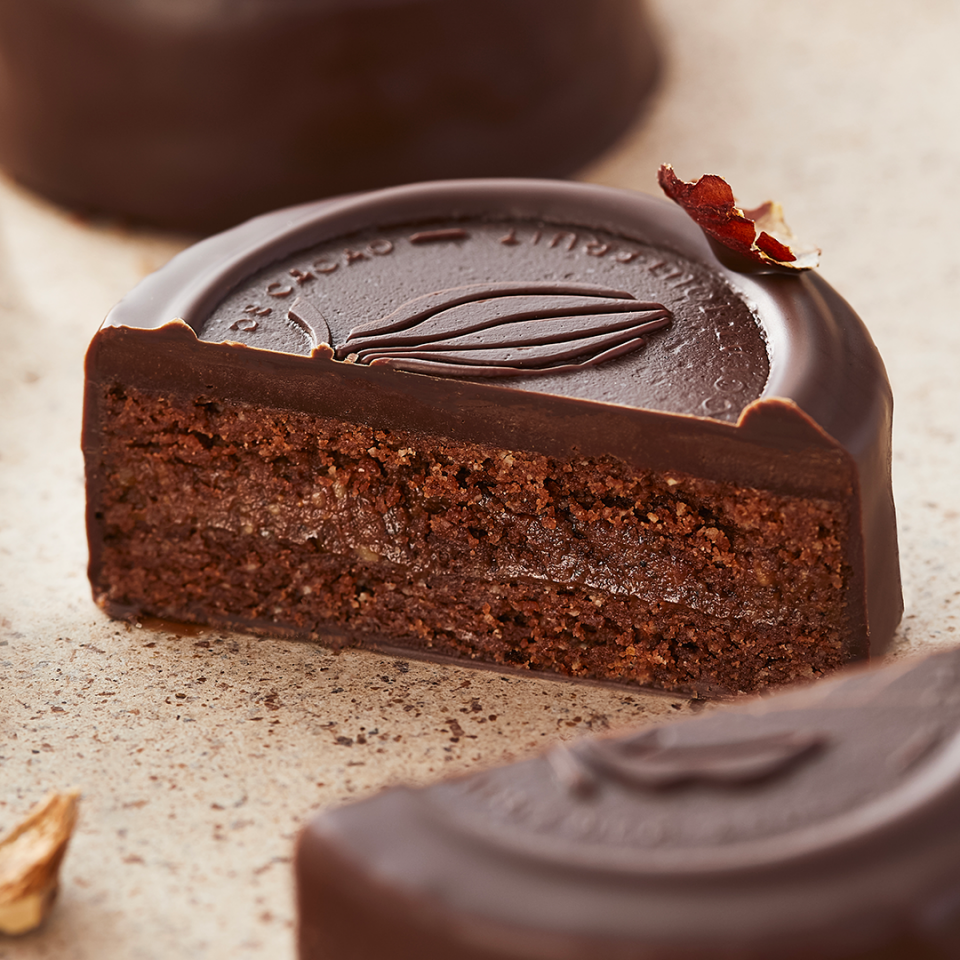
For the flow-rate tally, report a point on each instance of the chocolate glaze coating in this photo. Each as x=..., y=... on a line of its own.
x=818, y=425
x=195, y=115
x=820, y=823
x=411, y=298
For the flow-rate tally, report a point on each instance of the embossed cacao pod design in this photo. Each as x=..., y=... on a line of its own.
x=506, y=329
x=645, y=762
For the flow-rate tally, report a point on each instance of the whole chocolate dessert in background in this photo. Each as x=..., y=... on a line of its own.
x=196, y=114
x=823, y=823
x=522, y=423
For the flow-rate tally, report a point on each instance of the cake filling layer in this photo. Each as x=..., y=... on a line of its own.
x=239, y=515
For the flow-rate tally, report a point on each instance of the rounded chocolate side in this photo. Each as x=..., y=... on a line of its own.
x=822, y=823
x=196, y=115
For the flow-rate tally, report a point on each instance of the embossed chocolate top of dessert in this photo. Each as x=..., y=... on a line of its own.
x=779, y=779
x=817, y=823
x=535, y=302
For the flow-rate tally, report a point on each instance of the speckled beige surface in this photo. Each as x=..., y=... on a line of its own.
x=199, y=754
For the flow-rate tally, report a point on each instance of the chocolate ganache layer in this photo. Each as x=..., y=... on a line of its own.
x=518, y=423
x=195, y=114
x=817, y=823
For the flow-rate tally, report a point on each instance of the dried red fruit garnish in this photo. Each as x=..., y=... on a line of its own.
x=759, y=234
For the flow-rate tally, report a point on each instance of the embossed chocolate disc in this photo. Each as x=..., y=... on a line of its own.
x=818, y=823
x=533, y=302
x=731, y=791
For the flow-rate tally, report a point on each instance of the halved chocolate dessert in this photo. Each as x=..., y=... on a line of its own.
x=521, y=423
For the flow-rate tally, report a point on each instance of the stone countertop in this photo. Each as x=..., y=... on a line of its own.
x=200, y=753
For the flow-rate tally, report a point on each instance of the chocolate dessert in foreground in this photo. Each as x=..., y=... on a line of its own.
x=196, y=115
x=518, y=423
x=821, y=823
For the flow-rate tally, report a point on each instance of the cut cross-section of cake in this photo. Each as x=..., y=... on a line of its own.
x=522, y=423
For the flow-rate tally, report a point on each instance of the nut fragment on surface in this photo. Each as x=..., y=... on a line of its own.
x=30, y=857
